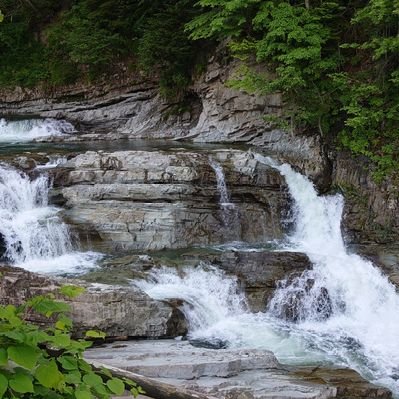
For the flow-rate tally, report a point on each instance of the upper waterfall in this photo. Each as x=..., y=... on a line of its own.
x=33, y=235
x=30, y=129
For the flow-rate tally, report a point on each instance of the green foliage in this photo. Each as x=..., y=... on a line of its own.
x=335, y=63
x=48, y=363
x=166, y=45
x=56, y=42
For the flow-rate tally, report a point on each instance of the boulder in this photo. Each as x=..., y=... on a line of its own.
x=117, y=311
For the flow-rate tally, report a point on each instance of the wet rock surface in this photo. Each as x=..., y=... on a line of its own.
x=232, y=373
x=154, y=200
x=259, y=273
x=118, y=311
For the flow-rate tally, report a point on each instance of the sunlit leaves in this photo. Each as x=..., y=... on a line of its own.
x=48, y=363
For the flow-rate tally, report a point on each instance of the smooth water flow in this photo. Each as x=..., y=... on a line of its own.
x=229, y=212
x=32, y=235
x=221, y=183
x=31, y=129
x=346, y=311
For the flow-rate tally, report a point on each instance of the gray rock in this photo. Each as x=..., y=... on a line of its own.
x=156, y=200
x=371, y=209
x=232, y=373
x=117, y=311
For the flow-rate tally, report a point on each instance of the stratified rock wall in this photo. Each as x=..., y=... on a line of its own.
x=155, y=200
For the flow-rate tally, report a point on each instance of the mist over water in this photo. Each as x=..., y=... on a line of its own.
x=30, y=129
x=357, y=324
x=32, y=234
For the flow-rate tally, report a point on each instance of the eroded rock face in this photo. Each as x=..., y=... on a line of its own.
x=126, y=106
x=155, y=200
x=117, y=311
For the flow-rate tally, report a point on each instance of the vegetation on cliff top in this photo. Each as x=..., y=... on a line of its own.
x=335, y=62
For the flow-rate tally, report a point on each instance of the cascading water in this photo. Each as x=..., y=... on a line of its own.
x=347, y=313
x=30, y=129
x=229, y=212
x=364, y=305
x=33, y=235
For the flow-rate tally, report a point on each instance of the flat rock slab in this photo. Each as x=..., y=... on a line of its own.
x=231, y=373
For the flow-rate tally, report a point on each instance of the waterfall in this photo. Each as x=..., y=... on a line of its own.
x=229, y=212
x=221, y=184
x=347, y=310
x=209, y=296
x=362, y=327
x=33, y=235
x=30, y=129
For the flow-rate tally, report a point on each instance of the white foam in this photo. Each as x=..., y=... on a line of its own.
x=31, y=129
x=33, y=233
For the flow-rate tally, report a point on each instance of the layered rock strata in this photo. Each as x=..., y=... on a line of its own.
x=137, y=200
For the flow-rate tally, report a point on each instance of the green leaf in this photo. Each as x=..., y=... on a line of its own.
x=116, y=386
x=71, y=291
x=21, y=383
x=61, y=340
x=68, y=362
x=73, y=377
x=48, y=375
x=83, y=395
x=95, y=334
x=92, y=379
x=24, y=355
x=3, y=357
x=3, y=385
x=47, y=306
x=63, y=323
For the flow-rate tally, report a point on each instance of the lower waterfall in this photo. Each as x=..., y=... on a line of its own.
x=32, y=235
x=347, y=310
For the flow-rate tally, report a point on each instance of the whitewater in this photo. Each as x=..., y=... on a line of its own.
x=16, y=131
x=358, y=327
x=31, y=231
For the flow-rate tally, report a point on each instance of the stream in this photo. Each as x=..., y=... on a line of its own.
x=346, y=310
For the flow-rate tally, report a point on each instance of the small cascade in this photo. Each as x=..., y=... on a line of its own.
x=53, y=162
x=31, y=129
x=216, y=311
x=209, y=296
x=229, y=212
x=33, y=235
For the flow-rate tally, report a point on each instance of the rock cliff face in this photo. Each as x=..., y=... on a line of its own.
x=371, y=210
x=131, y=107
x=155, y=200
